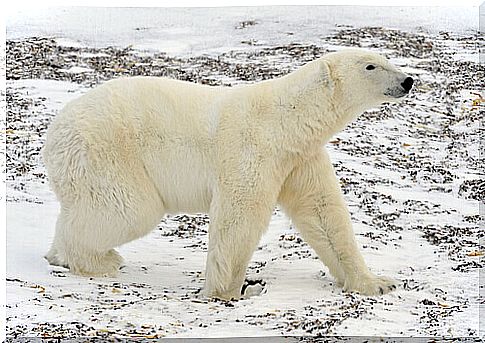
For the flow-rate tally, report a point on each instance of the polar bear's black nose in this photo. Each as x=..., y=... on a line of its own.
x=407, y=84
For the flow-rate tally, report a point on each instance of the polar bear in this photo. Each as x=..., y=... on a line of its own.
x=128, y=152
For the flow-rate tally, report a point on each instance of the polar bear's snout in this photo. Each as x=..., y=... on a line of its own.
x=407, y=84
x=401, y=86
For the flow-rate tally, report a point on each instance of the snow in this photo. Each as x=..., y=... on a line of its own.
x=293, y=284
x=158, y=289
x=211, y=30
x=76, y=70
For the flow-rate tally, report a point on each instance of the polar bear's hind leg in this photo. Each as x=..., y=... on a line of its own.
x=85, y=240
x=103, y=210
x=77, y=247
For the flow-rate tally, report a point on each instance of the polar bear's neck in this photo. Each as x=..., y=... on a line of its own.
x=310, y=107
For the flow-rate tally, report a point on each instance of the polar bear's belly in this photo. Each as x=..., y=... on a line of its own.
x=184, y=179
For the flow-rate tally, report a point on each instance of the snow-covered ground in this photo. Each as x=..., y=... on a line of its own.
x=410, y=173
x=179, y=31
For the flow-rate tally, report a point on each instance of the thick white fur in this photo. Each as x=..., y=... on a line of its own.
x=128, y=152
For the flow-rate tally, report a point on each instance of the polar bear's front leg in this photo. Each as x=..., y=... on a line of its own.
x=312, y=198
x=234, y=233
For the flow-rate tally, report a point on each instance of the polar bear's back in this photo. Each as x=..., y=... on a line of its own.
x=130, y=127
x=140, y=100
x=131, y=110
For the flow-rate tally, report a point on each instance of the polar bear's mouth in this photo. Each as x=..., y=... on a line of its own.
x=396, y=93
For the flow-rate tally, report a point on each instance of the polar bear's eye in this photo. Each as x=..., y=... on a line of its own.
x=370, y=67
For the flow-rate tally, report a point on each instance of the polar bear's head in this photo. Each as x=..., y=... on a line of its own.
x=367, y=78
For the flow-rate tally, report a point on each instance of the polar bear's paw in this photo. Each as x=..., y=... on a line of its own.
x=371, y=285
x=54, y=259
x=106, y=265
x=252, y=288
